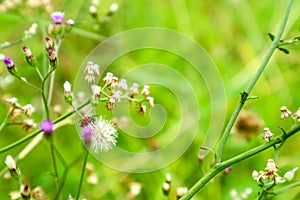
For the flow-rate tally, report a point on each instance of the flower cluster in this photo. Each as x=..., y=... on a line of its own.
x=270, y=176
x=114, y=90
x=98, y=134
x=93, y=10
x=285, y=113
x=59, y=29
x=21, y=115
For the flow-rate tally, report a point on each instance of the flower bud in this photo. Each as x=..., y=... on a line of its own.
x=47, y=126
x=31, y=60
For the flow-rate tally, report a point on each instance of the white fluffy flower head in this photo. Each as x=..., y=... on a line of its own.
x=103, y=136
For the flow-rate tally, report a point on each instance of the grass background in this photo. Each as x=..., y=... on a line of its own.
x=233, y=32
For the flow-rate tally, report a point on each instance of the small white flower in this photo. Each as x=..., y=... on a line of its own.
x=290, y=174
x=168, y=178
x=117, y=96
x=103, y=136
x=96, y=90
x=285, y=112
x=123, y=84
x=91, y=71
x=135, y=189
x=28, y=110
x=113, y=8
x=114, y=82
x=10, y=163
x=267, y=134
x=12, y=100
x=181, y=191
x=146, y=90
x=67, y=87
x=93, y=9
x=297, y=115
x=108, y=78
x=150, y=101
x=134, y=90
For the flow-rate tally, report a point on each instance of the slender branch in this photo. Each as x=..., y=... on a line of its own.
x=4, y=122
x=221, y=166
x=50, y=140
x=252, y=83
x=28, y=137
x=82, y=174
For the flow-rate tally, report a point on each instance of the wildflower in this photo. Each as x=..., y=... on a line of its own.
x=12, y=100
x=168, y=178
x=297, y=115
x=290, y=174
x=108, y=78
x=31, y=30
x=52, y=58
x=9, y=63
x=12, y=166
x=49, y=43
x=57, y=17
x=134, y=89
x=86, y=135
x=68, y=25
x=227, y=169
x=68, y=92
x=114, y=82
x=150, y=101
x=103, y=135
x=47, y=126
x=181, y=191
x=123, y=84
x=267, y=134
x=31, y=60
x=116, y=96
x=271, y=169
x=110, y=104
x=135, y=189
x=96, y=91
x=28, y=109
x=146, y=91
x=166, y=188
x=257, y=175
x=28, y=124
x=25, y=191
x=113, y=8
x=285, y=112
x=92, y=70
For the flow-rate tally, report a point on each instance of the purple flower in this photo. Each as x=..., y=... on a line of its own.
x=47, y=126
x=9, y=63
x=86, y=135
x=57, y=17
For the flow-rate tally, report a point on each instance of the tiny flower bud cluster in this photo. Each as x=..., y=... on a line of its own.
x=285, y=113
x=270, y=176
x=59, y=29
x=21, y=115
x=180, y=191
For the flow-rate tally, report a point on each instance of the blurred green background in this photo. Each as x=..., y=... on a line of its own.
x=233, y=32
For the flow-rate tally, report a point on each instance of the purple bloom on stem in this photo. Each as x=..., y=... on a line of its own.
x=86, y=135
x=47, y=126
x=9, y=63
x=57, y=17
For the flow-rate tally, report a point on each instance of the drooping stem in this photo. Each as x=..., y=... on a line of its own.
x=259, y=72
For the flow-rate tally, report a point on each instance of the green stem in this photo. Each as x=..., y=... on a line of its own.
x=82, y=174
x=50, y=139
x=221, y=166
x=253, y=82
x=4, y=122
x=43, y=93
x=28, y=137
x=64, y=176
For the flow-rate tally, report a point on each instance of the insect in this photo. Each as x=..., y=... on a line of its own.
x=86, y=120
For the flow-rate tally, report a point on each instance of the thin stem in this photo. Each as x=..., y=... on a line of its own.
x=64, y=176
x=252, y=83
x=82, y=174
x=284, y=189
x=28, y=137
x=4, y=122
x=50, y=139
x=43, y=93
x=221, y=166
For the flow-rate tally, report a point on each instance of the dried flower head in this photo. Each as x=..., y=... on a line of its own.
x=146, y=90
x=150, y=101
x=96, y=91
x=103, y=135
x=285, y=112
x=123, y=84
x=91, y=71
x=271, y=169
x=28, y=124
x=134, y=89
